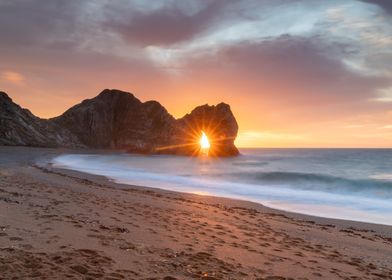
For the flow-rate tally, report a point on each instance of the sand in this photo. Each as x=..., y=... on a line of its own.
x=57, y=224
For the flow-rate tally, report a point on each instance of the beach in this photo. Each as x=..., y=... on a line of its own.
x=62, y=224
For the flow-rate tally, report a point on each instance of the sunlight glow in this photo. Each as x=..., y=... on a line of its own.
x=204, y=143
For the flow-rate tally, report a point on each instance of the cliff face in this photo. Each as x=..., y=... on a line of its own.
x=20, y=127
x=118, y=120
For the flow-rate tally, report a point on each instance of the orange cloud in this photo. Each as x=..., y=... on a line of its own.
x=13, y=77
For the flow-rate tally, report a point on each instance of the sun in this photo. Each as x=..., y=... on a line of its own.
x=204, y=143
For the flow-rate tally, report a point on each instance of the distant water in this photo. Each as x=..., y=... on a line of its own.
x=353, y=184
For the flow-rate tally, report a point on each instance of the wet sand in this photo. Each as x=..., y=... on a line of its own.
x=57, y=224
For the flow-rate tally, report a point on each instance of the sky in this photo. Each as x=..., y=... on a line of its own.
x=296, y=73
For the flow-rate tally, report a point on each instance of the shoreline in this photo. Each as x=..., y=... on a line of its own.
x=284, y=210
x=44, y=163
x=138, y=232
x=111, y=183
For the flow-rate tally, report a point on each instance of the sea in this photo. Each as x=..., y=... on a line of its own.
x=348, y=184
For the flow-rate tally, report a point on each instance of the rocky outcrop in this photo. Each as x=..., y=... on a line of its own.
x=20, y=127
x=118, y=120
x=217, y=122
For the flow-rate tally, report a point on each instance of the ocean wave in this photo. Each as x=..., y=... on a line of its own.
x=322, y=182
x=383, y=177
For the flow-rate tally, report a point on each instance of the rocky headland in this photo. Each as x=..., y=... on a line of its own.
x=118, y=120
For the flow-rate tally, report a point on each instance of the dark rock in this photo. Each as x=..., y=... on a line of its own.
x=19, y=127
x=118, y=120
x=217, y=122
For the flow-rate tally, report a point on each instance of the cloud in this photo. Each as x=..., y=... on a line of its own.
x=170, y=24
x=386, y=5
x=37, y=22
x=366, y=34
x=384, y=95
x=388, y=126
x=13, y=77
x=305, y=69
